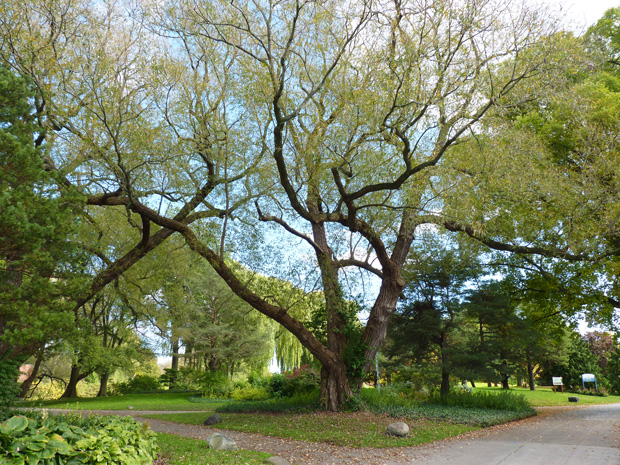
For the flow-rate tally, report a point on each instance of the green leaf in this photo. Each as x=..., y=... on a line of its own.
x=19, y=423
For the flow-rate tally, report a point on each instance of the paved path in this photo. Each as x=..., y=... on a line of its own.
x=559, y=436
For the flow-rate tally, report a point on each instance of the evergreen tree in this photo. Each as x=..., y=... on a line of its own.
x=38, y=266
x=580, y=360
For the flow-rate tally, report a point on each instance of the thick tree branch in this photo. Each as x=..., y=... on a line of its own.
x=551, y=252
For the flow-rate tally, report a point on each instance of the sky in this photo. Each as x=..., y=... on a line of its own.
x=584, y=12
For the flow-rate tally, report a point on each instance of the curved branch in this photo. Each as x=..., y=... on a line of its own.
x=551, y=252
x=360, y=264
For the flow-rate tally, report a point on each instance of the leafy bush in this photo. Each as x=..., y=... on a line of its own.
x=299, y=403
x=249, y=393
x=459, y=407
x=139, y=384
x=302, y=380
x=258, y=380
x=9, y=389
x=504, y=400
x=73, y=440
x=277, y=385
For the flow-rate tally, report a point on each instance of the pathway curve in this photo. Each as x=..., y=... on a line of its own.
x=559, y=436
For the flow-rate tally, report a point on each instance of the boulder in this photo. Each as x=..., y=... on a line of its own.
x=213, y=420
x=218, y=441
x=573, y=399
x=275, y=460
x=398, y=428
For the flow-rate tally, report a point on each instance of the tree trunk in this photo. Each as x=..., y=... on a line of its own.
x=103, y=384
x=74, y=379
x=27, y=383
x=530, y=374
x=174, y=366
x=175, y=354
x=335, y=387
x=444, y=390
x=505, y=381
x=189, y=354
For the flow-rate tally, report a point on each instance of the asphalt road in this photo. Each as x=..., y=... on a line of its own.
x=580, y=436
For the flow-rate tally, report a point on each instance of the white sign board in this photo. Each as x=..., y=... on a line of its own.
x=588, y=377
x=557, y=381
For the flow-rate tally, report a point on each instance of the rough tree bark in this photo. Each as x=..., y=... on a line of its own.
x=74, y=378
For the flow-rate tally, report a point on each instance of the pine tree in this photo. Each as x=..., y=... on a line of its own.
x=37, y=262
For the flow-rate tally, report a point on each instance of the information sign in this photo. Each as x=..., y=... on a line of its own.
x=557, y=381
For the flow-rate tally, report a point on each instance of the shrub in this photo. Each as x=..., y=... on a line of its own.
x=75, y=440
x=258, y=380
x=302, y=380
x=139, y=384
x=277, y=385
x=249, y=393
x=215, y=385
x=298, y=403
x=504, y=400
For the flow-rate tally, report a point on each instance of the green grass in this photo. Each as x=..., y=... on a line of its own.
x=358, y=429
x=157, y=401
x=544, y=396
x=178, y=450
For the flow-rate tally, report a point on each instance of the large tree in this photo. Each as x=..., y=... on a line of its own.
x=430, y=326
x=335, y=117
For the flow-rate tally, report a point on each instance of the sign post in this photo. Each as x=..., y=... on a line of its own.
x=557, y=381
x=588, y=378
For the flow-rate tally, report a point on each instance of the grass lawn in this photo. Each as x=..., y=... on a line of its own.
x=544, y=396
x=157, y=401
x=358, y=429
x=177, y=450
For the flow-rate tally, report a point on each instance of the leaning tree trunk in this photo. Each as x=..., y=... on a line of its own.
x=27, y=383
x=74, y=379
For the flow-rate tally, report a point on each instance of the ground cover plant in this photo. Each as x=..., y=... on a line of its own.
x=76, y=440
x=156, y=401
x=478, y=409
x=177, y=450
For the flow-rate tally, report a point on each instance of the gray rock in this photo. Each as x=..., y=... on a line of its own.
x=218, y=441
x=573, y=399
x=275, y=460
x=129, y=407
x=213, y=420
x=399, y=429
